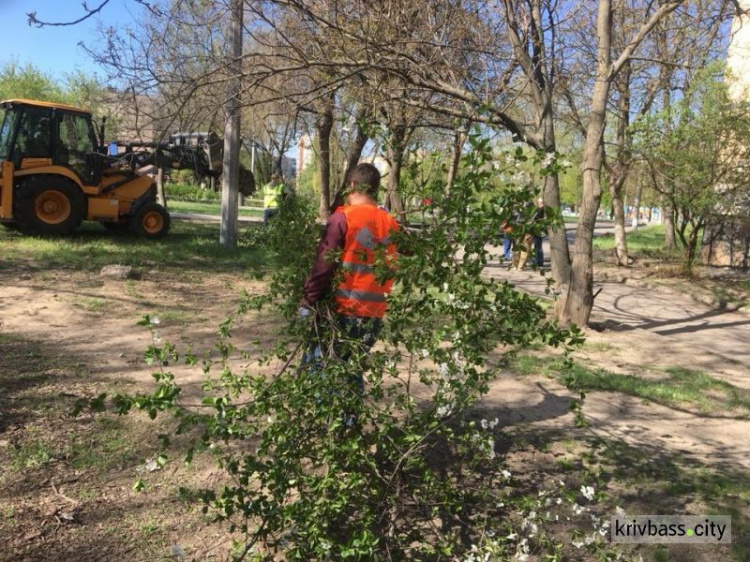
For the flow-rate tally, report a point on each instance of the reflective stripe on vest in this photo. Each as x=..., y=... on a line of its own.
x=368, y=237
x=358, y=267
x=271, y=195
x=361, y=295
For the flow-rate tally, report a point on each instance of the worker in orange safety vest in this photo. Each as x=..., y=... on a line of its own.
x=357, y=241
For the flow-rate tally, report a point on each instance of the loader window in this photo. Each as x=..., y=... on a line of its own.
x=6, y=133
x=75, y=145
x=33, y=138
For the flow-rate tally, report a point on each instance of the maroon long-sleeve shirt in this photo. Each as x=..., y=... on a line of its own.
x=329, y=248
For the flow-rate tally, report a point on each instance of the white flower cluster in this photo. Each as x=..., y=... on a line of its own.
x=489, y=425
x=518, y=543
x=588, y=492
x=444, y=410
x=485, y=444
x=478, y=555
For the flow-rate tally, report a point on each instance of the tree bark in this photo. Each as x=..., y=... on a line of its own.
x=618, y=206
x=324, y=125
x=458, y=144
x=355, y=150
x=579, y=300
x=670, y=242
x=637, y=206
x=160, y=195
x=231, y=166
x=396, y=149
x=621, y=165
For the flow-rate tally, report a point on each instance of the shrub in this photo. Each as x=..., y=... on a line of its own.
x=319, y=471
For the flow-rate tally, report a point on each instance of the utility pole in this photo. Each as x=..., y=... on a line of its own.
x=231, y=169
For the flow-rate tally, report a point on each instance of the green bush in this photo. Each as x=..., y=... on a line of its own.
x=317, y=470
x=188, y=192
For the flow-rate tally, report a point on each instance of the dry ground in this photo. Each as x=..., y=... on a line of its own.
x=66, y=489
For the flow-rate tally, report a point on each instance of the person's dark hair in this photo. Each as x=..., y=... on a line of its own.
x=366, y=179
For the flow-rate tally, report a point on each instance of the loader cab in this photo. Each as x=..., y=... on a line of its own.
x=35, y=134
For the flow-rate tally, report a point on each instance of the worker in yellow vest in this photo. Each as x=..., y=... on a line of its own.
x=272, y=194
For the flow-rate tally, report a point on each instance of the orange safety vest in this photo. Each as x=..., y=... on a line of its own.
x=368, y=233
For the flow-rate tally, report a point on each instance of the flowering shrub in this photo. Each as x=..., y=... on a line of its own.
x=318, y=470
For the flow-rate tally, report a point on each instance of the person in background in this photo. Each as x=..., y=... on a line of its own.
x=507, y=243
x=538, y=240
x=272, y=194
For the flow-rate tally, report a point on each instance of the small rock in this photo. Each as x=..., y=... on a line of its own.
x=120, y=272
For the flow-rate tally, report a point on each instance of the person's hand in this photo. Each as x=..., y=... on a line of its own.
x=305, y=313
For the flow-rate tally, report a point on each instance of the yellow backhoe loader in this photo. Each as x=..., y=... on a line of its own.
x=54, y=175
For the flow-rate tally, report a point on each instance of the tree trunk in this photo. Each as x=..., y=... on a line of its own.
x=621, y=244
x=621, y=165
x=670, y=243
x=395, y=153
x=160, y=195
x=577, y=304
x=637, y=206
x=324, y=125
x=458, y=144
x=355, y=150
x=558, y=237
x=231, y=166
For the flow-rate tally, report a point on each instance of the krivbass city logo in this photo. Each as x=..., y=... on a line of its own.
x=661, y=529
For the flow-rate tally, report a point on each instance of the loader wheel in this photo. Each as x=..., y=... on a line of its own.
x=151, y=221
x=49, y=205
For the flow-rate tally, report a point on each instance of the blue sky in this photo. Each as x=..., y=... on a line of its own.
x=55, y=50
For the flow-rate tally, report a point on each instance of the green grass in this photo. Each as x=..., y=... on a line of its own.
x=647, y=239
x=33, y=451
x=206, y=208
x=110, y=444
x=679, y=387
x=91, y=304
x=169, y=317
x=665, y=482
x=193, y=246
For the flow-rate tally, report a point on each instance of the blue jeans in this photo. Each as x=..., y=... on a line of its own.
x=268, y=213
x=353, y=335
x=538, y=250
x=507, y=247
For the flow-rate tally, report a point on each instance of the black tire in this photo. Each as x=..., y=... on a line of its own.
x=48, y=205
x=151, y=220
x=12, y=226
x=116, y=227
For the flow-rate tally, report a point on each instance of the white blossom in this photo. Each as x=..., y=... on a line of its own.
x=443, y=410
x=588, y=492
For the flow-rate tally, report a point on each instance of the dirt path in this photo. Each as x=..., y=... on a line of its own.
x=648, y=330
x=93, y=320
